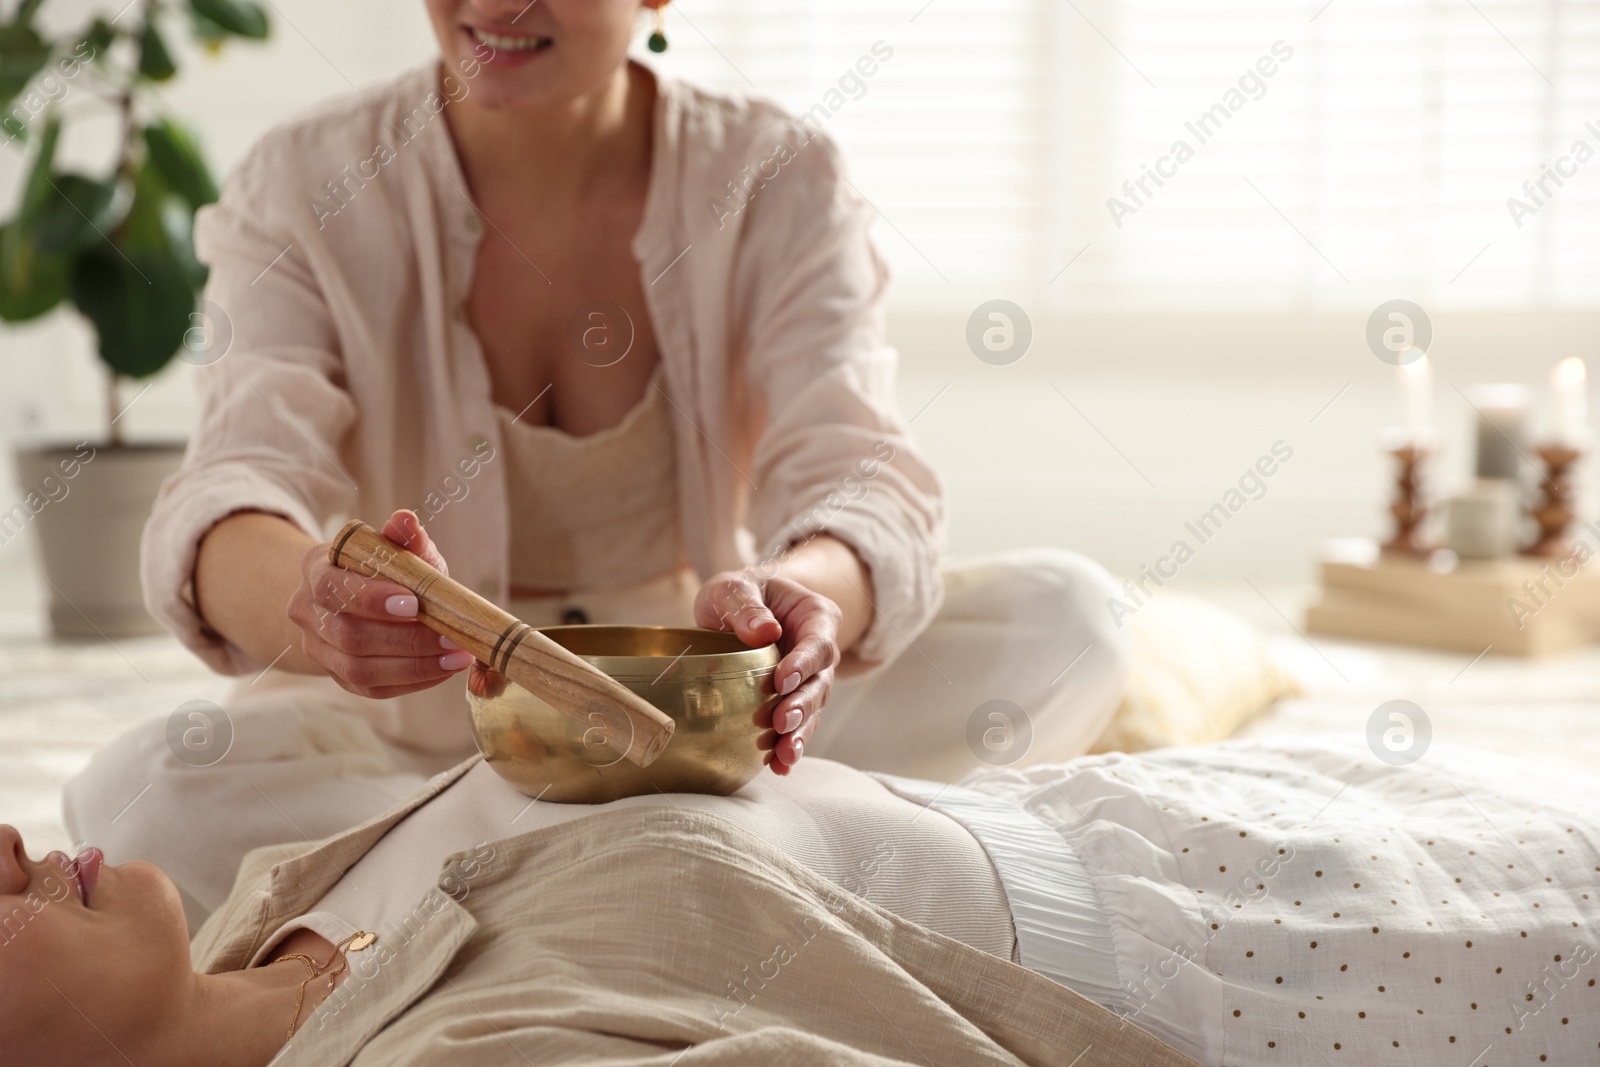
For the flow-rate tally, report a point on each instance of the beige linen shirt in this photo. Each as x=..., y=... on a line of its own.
x=350, y=384
x=658, y=937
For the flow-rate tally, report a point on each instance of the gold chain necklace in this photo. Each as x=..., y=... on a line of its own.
x=355, y=943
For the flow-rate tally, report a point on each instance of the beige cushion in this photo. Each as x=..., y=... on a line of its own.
x=1198, y=673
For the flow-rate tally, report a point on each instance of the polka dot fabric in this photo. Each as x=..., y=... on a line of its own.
x=1283, y=903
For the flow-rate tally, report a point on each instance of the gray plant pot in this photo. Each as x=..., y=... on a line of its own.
x=87, y=506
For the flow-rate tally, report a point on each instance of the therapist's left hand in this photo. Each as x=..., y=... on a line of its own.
x=805, y=626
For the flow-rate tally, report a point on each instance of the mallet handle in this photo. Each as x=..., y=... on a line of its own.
x=627, y=723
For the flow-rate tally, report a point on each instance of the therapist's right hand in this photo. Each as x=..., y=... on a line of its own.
x=363, y=631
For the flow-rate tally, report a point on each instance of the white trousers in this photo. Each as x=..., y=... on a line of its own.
x=1022, y=665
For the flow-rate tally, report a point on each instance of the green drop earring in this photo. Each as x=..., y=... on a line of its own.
x=658, y=38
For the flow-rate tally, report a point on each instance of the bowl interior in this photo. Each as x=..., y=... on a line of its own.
x=664, y=652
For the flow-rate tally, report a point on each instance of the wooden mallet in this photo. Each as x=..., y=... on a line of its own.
x=626, y=722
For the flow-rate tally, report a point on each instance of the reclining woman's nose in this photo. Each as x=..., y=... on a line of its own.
x=13, y=861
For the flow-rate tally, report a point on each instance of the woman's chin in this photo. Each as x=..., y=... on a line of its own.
x=142, y=889
x=527, y=81
x=516, y=90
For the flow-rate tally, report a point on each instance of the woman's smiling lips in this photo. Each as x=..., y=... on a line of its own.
x=504, y=48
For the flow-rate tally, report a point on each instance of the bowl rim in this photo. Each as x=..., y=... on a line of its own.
x=743, y=659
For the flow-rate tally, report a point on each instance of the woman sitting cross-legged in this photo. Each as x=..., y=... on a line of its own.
x=1245, y=903
x=489, y=291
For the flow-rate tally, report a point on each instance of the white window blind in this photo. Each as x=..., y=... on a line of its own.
x=1374, y=161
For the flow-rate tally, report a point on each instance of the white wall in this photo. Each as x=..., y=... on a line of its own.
x=1191, y=403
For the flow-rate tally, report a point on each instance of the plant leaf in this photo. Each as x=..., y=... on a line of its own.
x=155, y=62
x=144, y=228
x=31, y=282
x=140, y=291
x=77, y=213
x=25, y=11
x=208, y=33
x=36, y=191
x=139, y=301
x=242, y=18
x=159, y=220
x=173, y=153
x=23, y=54
x=98, y=39
x=177, y=219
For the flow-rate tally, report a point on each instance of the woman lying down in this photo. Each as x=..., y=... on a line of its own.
x=1246, y=903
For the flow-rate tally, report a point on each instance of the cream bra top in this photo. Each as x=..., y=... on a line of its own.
x=593, y=512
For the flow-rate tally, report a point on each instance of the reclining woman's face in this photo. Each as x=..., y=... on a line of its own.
x=91, y=957
x=533, y=53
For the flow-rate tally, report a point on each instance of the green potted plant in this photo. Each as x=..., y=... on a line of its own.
x=118, y=247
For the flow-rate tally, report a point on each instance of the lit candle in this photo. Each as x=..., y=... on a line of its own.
x=1416, y=396
x=1568, y=379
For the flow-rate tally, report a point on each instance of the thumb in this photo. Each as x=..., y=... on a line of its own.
x=733, y=601
x=405, y=530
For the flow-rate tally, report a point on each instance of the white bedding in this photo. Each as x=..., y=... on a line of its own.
x=1292, y=902
x=60, y=701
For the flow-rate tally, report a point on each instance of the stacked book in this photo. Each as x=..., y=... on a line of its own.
x=1519, y=606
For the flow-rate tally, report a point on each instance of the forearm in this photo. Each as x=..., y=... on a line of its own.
x=826, y=565
x=247, y=569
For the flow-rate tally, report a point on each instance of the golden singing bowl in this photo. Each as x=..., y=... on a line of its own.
x=718, y=691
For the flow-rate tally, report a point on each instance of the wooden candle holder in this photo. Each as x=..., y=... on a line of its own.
x=596, y=701
x=1410, y=506
x=1557, y=509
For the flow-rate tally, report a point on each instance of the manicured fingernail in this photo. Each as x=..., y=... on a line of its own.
x=454, y=661
x=791, y=719
x=799, y=750
x=445, y=642
x=403, y=606
x=790, y=684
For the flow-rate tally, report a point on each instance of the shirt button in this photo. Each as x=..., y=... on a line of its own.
x=460, y=313
x=477, y=441
x=474, y=223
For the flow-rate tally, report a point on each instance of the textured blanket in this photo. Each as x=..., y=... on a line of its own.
x=1298, y=902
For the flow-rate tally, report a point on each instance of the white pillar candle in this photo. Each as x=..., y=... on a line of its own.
x=1416, y=396
x=1569, y=381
